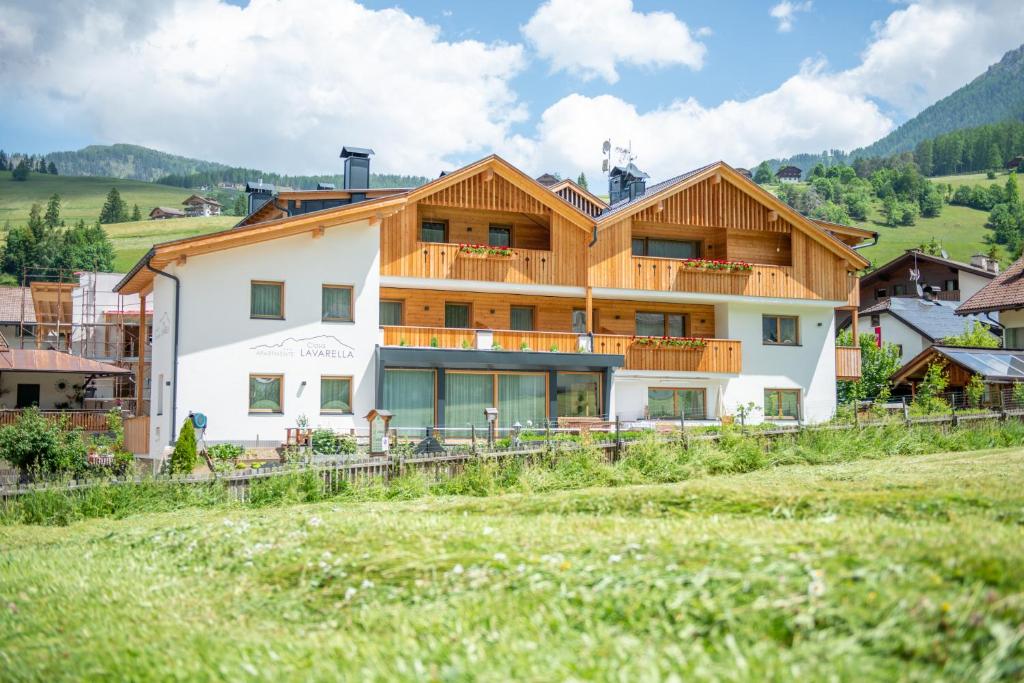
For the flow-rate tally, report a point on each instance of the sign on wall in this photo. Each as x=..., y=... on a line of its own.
x=322, y=346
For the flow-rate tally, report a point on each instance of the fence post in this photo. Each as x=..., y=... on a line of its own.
x=472, y=436
x=618, y=438
x=906, y=411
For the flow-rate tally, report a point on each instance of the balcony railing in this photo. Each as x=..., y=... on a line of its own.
x=527, y=266
x=86, y=420
x=716, y=355
x=507, y=340
x=848, y=362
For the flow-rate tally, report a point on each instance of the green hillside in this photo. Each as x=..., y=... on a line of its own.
x=82, y=197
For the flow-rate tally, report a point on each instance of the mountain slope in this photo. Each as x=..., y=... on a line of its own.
x=142, y=163
x=996, y=95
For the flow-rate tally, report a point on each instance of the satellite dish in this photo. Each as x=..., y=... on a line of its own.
x=604, y=165
x=606, y=147
x=920, y=289
x=944, y=254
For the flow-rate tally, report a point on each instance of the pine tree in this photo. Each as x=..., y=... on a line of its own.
x=184, y=457
x=21, y=171
x=763, y=174
x=4, y=163
x=136, y=213
x=1012, y=190
x=52, y=216
x=52, y=168
x=114, y=208
x=582, y=181
x=239, y=209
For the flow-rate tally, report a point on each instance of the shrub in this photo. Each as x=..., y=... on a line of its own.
x=184, y=457
x=975, y=391
x=326, y=442
x=1018, y=393
x=225, y=451
x=115, y=425
x=36, y=443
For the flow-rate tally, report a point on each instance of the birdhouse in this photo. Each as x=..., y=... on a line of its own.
x=379, y=421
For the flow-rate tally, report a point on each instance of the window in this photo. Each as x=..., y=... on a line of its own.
x=675, y=402
x=266, y=300
x=579, y=394
x=456, y=315
x=519, y=397
x=899, y=347
x=160, y=395
x=391, y=312
x=680, y=249
x=335, y=394
x=1013, y=338
x=779, y=329
x=433, y=231
x=660, y=325
x=579, y=320
x=266, y=393
x=499, y=236
x=881, y=293
x=899, y=290
x=410, y=394
x=782, y=404
x=336, y=303
x=950, y=285
x=876, y=320
x=521, y=318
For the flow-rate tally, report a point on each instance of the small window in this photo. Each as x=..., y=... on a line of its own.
x=876, y=320
x=391, y=312
x=1013, y=338
x=780, y=404
x=899, y=347
x=433, y=231
x=456, y=315
x=659, y=248
x=578, y=394
x=779, y=329
x=639, y=246
x=499, y=236
x=660, y=324
x=160, y=395
x=579, y=320
x=335, y=394
x=950, y=285
x=336, y=303
x=899, y=290
x=266, y=393
x=881, y=293
x=266, y=300
x=521, y=318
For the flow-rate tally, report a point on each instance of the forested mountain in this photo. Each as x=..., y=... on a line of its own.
x=141, y=163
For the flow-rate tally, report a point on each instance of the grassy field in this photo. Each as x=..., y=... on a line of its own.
x=904, y=568
x=83, y=197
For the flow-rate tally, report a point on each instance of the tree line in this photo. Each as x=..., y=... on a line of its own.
x=21, y=165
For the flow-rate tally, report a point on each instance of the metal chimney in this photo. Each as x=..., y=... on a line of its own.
x=357, y=167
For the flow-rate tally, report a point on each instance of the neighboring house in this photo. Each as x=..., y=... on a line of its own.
x=548, y=179
x=50, y=380
x=1015, y=163
x=17, y=317
x=197, y=205
x=378, y=303
x=164, y=212
x=915, y=324
x=999, y=369
x=1003, y=296
x=788, y=174
x=745, y=172
x=579, y=197
x=947, y=279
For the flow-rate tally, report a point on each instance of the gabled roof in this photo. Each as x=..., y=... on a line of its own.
x=789, y=171
x=659, y=191
x=16, y=303
x=1005, y=292
x=849, y=234
x=167, y=209
x=906, y=260
x=994, y=365
x=199, y=199
x=629, y=169
x=49, y=360
x=587, y=196
x=547, y=179
x=936, y=320
x=259, y=186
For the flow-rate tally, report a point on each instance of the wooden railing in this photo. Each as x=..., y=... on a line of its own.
x=848, y=362
x=516, y=340
x=717, y=355
x=528, y=266
x=437, y=337
x=86, y=420
x=455, y=338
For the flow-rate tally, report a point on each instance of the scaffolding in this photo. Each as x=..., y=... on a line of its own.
x=78, y=312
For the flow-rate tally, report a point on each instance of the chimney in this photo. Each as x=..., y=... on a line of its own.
x=626, y=183
x=986, y=263
x=357, y=167
x=259, y=193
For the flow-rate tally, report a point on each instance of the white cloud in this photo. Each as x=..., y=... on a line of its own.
x=785, y=12
x=590, y=38
x=278, y=86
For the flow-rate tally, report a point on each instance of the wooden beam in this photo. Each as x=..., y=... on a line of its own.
x=488, y=175
x=853, y=326
x=140, y=367
x=376, y=218
x=590, y=310
x=318, y=232
x=773, y=216
x=661, y=206
x=717, y=178
x=181, y=260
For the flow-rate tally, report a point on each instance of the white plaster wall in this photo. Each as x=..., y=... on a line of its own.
x=896, y=332
x=629, y=390
x=970, y=283
x=220, y=346
x=49, y=395
x=1012, y=318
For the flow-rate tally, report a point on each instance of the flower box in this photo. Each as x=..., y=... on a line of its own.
x=670, y=342
x=485, y=251
x=717, y=265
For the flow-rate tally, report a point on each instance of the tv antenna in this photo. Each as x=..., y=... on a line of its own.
x=624, y=155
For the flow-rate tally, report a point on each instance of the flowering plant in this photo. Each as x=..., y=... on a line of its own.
x=718, y=264
x=485, y=249
x=675, y=342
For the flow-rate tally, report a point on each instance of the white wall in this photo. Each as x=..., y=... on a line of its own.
x=970, y=283
x=896, y=331
x=220, y=345
x=49, y=394
x=629, y=390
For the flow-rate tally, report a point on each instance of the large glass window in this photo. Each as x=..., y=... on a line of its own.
x=499, y=236
x=466, y=396
x=391, y=312
x=409, y=394
x=1013, y=338
x=433, y=231
x=266, y=393
x=659, y=248
x=335, y=394
x=579, y=394
x=518, y=397
x=782, y=403
x=266, y=300
x=579, y=320
x=660, y=325
x=521, y=318
x=780, y=329
x=456, y=315
x=336, y=303
x=522, y=399
x=690, y=403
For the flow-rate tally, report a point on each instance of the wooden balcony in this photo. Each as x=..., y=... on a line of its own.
x=527, y=266
x=507, y=340
x=717, y=355
x=848, y=362
x=86, y=420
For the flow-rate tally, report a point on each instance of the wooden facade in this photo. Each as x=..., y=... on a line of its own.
x=848, y=362
x=717, y=355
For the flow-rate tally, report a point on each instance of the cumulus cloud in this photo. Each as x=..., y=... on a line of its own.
x=785, y=12
x=591, y=38
x=274, y=85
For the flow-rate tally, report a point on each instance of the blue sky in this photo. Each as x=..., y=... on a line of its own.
x=432, y=85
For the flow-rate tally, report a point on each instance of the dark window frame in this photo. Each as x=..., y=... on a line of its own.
x=778, y=330
x=501, y=226
x=664, y=322
x=698, y=247
x=533, y=317
x=435, y=221
x=469, y=314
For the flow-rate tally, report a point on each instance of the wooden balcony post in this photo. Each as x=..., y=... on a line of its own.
x=590, y=310
x=853, y=326
x=140, y=369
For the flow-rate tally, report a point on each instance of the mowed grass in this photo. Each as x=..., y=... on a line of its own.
x=83, y=197
x=904, y=568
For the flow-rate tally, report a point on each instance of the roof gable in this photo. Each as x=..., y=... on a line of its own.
x=1005, y=292
x=906, y=260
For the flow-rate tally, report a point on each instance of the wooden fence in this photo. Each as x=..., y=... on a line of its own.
x=136, y=434
x=86, y=420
